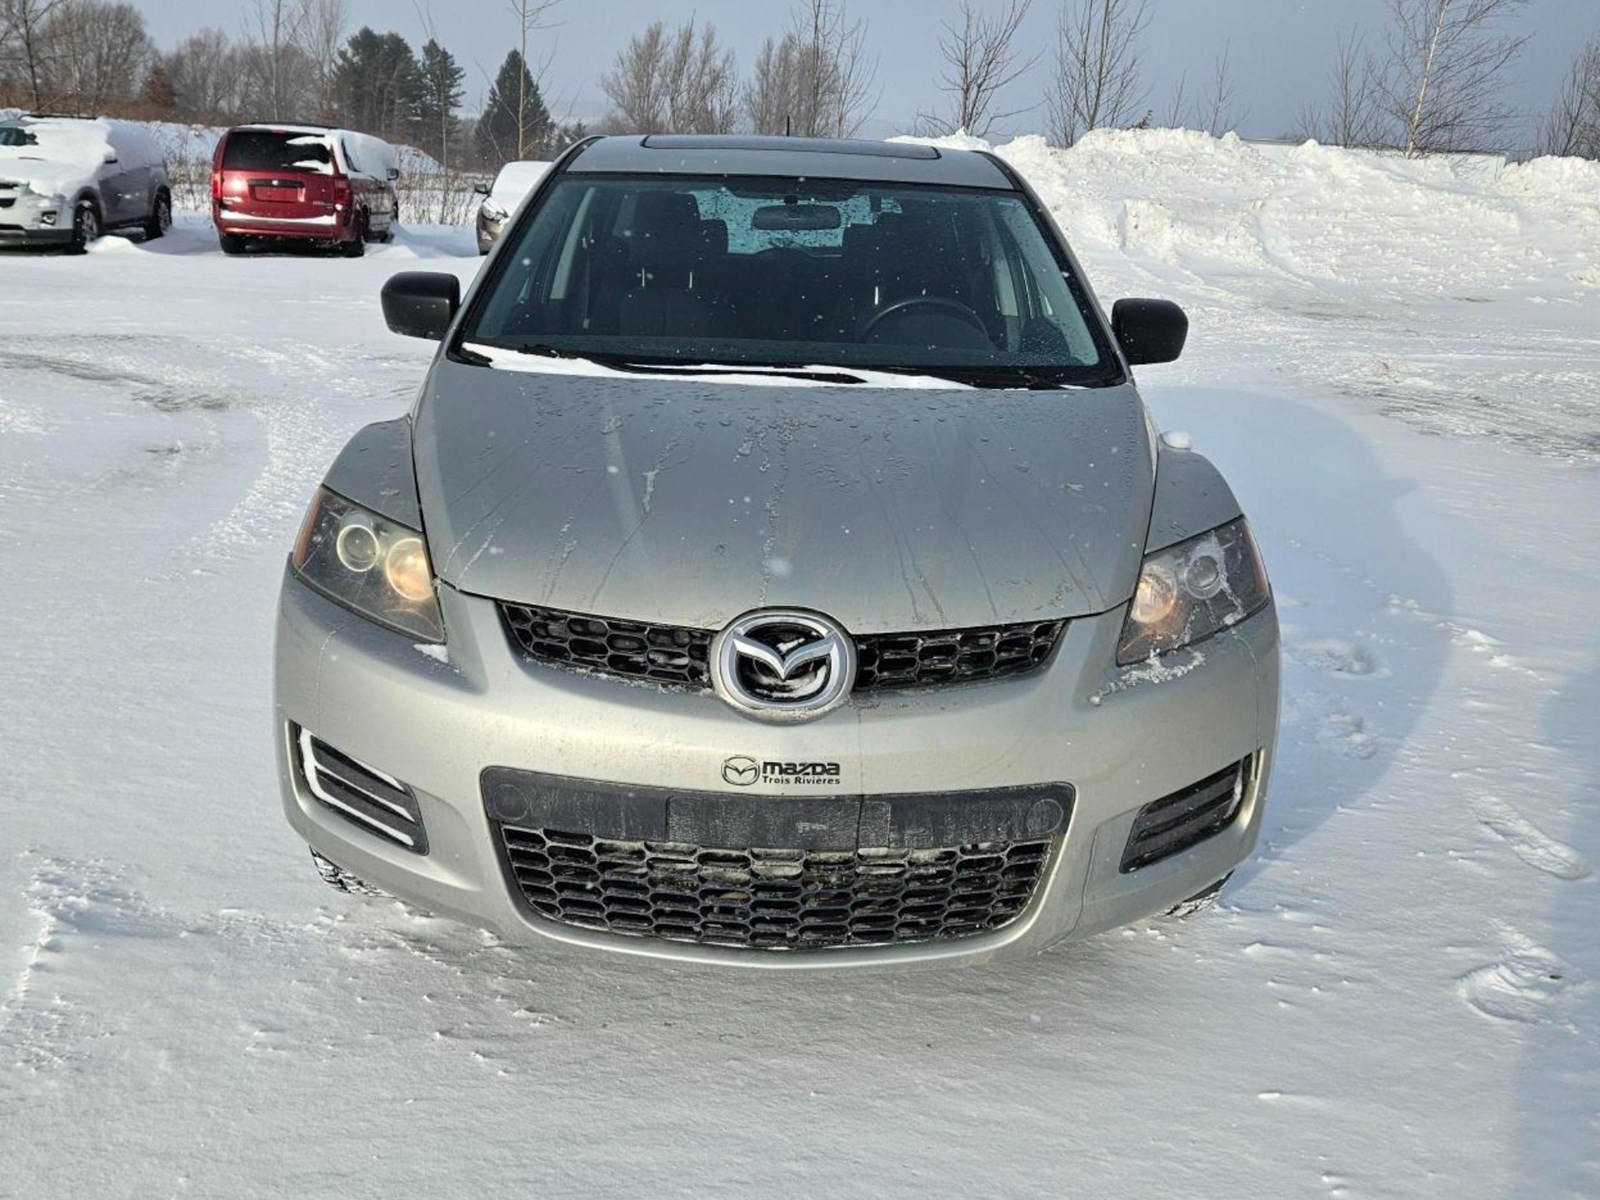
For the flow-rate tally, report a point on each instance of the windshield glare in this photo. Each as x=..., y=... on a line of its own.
x=786, y=272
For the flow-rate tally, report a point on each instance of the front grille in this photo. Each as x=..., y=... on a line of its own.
x=772, y=899
x=898, y=660
x=626, y=648
x=362, y=795
x=1186, y=818
x=680, y=655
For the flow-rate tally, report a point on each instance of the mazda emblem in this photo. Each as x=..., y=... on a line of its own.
x=783, y=665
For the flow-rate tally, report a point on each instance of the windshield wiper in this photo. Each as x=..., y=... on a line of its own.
x=618, y=362
x=1007, y=377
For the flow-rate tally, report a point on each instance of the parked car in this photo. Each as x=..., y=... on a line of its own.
x=274, y=182
x=66, y=180
x=500, y=199
x=778, y=567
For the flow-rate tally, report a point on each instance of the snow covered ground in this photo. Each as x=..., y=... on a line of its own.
x=1400, y=372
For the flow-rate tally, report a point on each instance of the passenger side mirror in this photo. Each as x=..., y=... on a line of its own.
x=421, y=304
x=480, y=189
x=394, y=173
x=111, y=157
x=1149, y=331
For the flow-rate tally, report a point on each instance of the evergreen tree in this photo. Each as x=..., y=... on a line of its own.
x=158, y=96
x=439, y=94
x=504, y=132
x=377, y=85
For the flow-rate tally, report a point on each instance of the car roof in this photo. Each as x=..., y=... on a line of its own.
x=283, y=127
x=812, y=158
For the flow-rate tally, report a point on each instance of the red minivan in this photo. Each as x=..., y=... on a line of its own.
x=306, y=182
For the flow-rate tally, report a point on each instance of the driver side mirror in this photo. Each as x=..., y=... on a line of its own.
x=111, y=158
x=421, y=304
x=480, y=189
x=1149, y=331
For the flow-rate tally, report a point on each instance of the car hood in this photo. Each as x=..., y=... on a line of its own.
x=688, y=502
x=47, y=177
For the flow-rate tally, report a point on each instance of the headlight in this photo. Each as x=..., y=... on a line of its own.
x=1189, y=591
x=369, y=564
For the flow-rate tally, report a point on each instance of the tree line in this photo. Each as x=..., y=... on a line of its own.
x=293, y=61
x=1431, y=78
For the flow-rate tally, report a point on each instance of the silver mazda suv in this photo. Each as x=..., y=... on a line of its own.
x=778, y=568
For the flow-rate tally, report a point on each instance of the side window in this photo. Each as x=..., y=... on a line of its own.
x=350, y=160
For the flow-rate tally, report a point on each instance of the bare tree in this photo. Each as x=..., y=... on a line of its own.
x=530, y=18
x=1353, y=115
x=322, y=32
x=704, y=97
x=637, y=84
x=1444, y=82
x=277, y=69
x=1097, y=67
x=1572, y=126
x=1215, y=112
x=25, y=49
x=99, y=55
x=680, y=82
x=773, y=92
x=204, y=71
x=1176, y=107
x=981, y=60
x=818, y=80
x=836, y=77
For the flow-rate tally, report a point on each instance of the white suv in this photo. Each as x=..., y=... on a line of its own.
x=65, y=180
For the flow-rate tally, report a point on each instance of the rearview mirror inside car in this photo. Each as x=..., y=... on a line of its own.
x=804, y=217
x=1149, y=331
x=421, y=304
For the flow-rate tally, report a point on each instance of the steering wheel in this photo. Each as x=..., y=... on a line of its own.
x=953, y=308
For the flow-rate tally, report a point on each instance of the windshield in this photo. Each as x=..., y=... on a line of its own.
x=266, y=150
x=777, y=272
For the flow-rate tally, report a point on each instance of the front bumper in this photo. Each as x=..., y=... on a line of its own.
x=10, y=236
x=1117, y=741
x=489, y=231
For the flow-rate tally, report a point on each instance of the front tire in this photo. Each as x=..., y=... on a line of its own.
x=85, y=226
x=160, y=218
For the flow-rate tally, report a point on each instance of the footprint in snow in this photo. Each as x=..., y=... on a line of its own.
x=1335, y=657
x=1529, y=843
x=1524, y=987
x=1346, y=733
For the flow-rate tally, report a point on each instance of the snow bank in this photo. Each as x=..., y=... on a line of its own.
x=1316, y=214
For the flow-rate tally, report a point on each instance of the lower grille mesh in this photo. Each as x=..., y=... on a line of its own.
x=772, y=899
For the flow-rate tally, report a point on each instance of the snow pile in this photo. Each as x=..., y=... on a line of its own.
x=1428, y=288
x=1317, y=215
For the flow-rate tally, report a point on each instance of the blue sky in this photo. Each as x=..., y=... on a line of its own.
x=1281, y=50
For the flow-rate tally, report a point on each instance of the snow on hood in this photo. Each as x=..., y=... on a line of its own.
x=515, y=181
x=66, y=156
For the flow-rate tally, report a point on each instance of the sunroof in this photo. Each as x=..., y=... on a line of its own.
x=861, y=149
